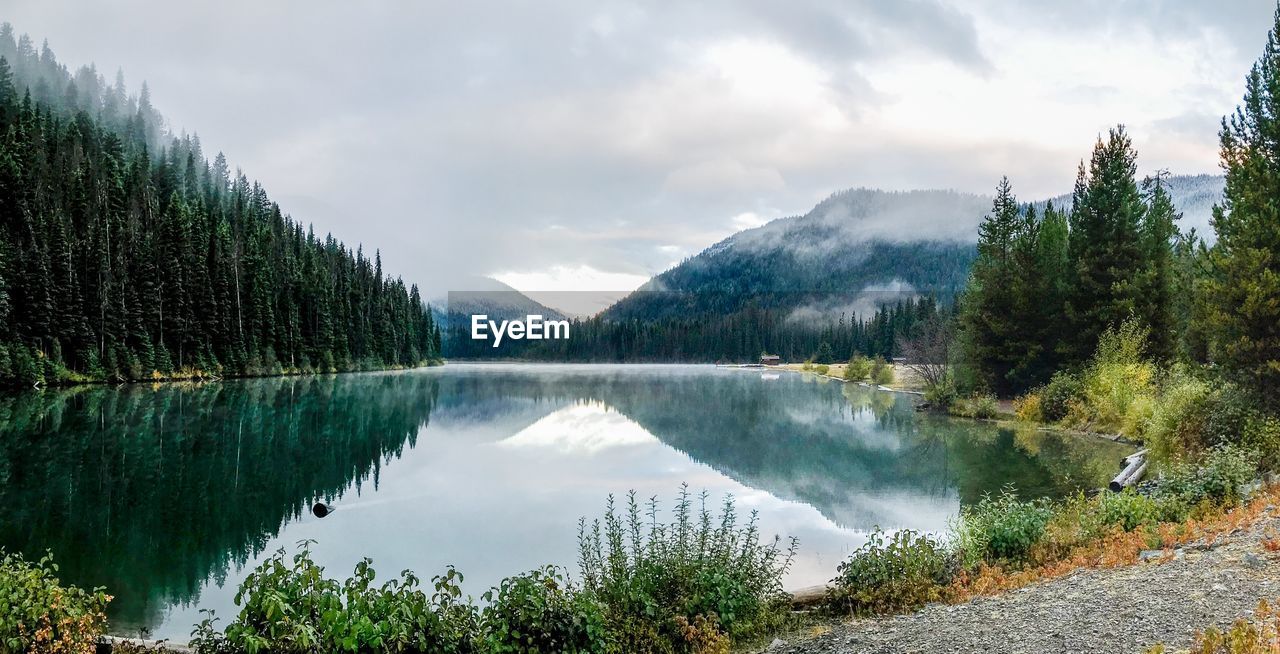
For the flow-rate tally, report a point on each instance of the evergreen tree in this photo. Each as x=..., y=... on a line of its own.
x=988, y=306
x=1106, y=244
x=1242, y=292
x=124, y=253
x=1156, y=279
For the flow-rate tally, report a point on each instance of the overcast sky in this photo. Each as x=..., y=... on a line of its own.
x=587, y=145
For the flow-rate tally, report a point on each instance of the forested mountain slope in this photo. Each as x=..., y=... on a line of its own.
x=126, y=254
x=853, y=251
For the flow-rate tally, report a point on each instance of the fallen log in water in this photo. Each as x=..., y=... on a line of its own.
x=1135, y=465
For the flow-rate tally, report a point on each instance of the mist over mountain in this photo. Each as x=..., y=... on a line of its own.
x=854, y=251
x=1193, y=195
x=486, y=295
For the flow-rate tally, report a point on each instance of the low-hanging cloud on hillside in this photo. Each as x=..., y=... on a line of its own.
x=566, y=141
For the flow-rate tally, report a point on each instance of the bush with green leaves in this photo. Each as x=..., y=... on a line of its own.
x=1221, y=478
x=983, y=407
x=39, y=614
x=651, y=576
x=1057, y=397
x=1127, y=510
x=822, y=368
x=858, y=369
x=540, y=612
x=1119, y=385
x=1176, y=427
x=1262, y=435
x=1000, y=529
x=941, y=395
x=901, y=573
x=881, y=372
x=1229, y=416
x=289, y=606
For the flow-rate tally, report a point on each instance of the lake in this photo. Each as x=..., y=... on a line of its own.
x=166, y=494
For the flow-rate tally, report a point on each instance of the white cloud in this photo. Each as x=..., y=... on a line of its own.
x=455, y=136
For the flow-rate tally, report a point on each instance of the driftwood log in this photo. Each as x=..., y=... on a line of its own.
x=808, y=596
x=1135, y=466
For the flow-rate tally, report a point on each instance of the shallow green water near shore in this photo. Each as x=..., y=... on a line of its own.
x=165, y=494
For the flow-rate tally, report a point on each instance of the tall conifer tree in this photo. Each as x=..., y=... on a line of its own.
x=1242, y=291
x=1106, y=246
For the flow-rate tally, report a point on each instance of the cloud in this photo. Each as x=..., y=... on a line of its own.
x=528, y=137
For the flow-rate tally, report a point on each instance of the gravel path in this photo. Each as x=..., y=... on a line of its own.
x=1117, y=610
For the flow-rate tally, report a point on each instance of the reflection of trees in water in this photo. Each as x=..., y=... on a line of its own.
x=811, y=440
x=152, y=491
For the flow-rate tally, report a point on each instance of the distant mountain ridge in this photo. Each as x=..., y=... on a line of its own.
x=853, y=251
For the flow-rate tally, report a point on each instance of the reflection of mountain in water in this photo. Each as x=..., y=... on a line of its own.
x=152, y=491
x=846, y=450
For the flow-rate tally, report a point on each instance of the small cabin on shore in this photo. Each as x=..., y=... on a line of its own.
x=770, y=360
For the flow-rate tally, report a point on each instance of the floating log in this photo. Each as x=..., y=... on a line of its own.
x=1135, y=465
x=320, y=509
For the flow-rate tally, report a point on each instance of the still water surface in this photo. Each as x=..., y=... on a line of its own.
x=166, y=494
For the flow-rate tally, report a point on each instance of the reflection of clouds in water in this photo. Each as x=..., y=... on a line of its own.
x=587, y=427
x=868, y=430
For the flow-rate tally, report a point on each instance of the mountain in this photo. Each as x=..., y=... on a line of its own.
x=489, y=297
x=1193, y=195
x=126, y=254
x=854, y=251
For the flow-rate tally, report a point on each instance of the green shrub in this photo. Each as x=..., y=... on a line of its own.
x=1001, y=528
x=541, y=613
x=1262, y=435
x=904, y=573
x=859, y=368
x=941, y=395
x=1176, y=427
x=699, y=565
x=882, y=372
x=1229, y=416
x=1058, y=396
x=878, y=365
x=979, y=406
x=1027, y=408
x=38, y=614
x=1220, y=479
x=1074, y=523
x=289, y=606
x=1127, y=509
x=1118, y=387
x=822, y=368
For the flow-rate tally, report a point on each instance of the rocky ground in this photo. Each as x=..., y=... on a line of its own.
x=1165, y=599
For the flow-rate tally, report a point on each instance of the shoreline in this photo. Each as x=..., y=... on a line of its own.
x=12, y=391
x=1006, y=419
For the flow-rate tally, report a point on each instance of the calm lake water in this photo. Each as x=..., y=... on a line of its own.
x=166, y=494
